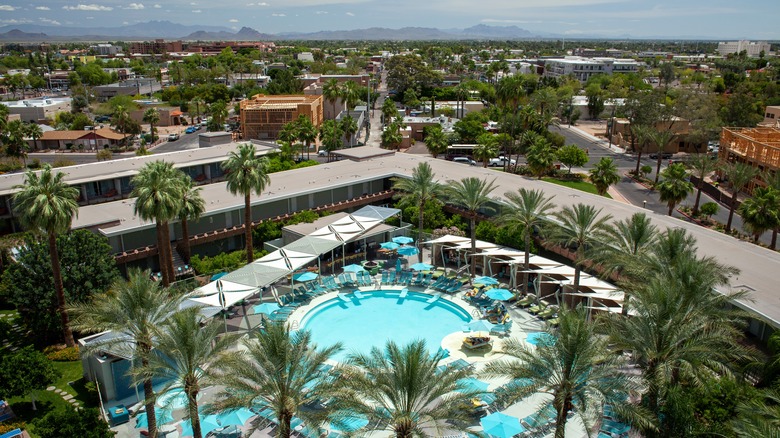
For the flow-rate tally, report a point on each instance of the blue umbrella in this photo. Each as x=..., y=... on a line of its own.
x=353, y=268
x=485, y=280
x=305, y=276
x=403, y=240
x=537, y=338
x=408, y=250
x=471, y=384
x=235, y=418
x=266, y=308
x=207, y=424
x=480, y=325
x=163, y=417
x=499, y=294
x=501, y=425
x=390, y=245
x=421, y=267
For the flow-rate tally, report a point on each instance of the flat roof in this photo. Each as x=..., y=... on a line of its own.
x=363, y=153
x=758, y=266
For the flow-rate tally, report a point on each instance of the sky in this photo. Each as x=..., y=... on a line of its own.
x=717, y=19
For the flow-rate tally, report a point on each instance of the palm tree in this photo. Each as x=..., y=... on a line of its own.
x=675, y=186
x=540, y=157
x=157, y=189
x=487, y=148
x=13, y=140
x=436, y=141
x=34, y=131
x=351, y=94
x=418, y=190
x=389, y=111
x=642, y=135
x=573, y=365
x=281, y=370
x=219, y=113
x=183, y=348
x=401, y=386
x=761, y=212
x=331, y=136
x=246, y=173
x=661, y=139
x=759, y=417
x=331, y=92
x=772, y=179
x=47, y=204
x=120, y=119
x=307, y=132
x=287, y=136
x=526, y=209
x=604, y=174
x=152, y=117
x=135, y=309
x=472, y=195
x=739, y=176
x=349, y=126
x=579, y=226
x=192, y=207
x=391, y=136
x=196, y=102
x=701, y=165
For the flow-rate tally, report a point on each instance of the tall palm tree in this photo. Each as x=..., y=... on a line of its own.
x=739, y=176
x=351, y=94
x=307, y=132
x=331, y=92
x=331, y=136
x=152, y=117
x=472, y=195
x=701, y=165
x=528, y=210
x=402, y=387
x=135, y=309
x=573, y=365
x=761, y=212
x=675, y=187
x=192, y=207
x=436, y=141
x=120, y=119
x=183, y=350
x=772, y=179
x=604, y=174
x=540, y=157
x=281, y=370
x=418, y=190
x=660, y=138
x=389, y=111
x=349, y=127
x=157, y=189
x=287, y=136
x=640, y=133
x=391, y=136
x=47, y=204
x=246, y=173
x=582, y=227
x=487, y=148
x=13, y=140
x=197, y=102
x=219, y=113
x=34, y=131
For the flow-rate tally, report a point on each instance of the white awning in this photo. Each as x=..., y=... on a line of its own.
x=229, y=298
x=449, y=238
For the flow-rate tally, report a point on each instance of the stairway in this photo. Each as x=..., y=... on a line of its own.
x=179, y=266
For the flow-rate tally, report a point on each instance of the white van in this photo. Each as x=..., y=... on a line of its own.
x=464, y=160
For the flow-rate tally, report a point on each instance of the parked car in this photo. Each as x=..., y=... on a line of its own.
x=664, y=156
x=464, y=160
x=500, y=161
x=173, y=136
x=190, y=129
x=102, y=119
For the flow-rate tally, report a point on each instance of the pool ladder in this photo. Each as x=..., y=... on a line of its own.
x=294, y=325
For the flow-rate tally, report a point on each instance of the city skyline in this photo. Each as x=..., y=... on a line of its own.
x=570, y=18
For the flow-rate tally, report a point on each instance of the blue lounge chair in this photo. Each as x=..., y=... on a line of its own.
x=357, y=294
x=344, y=298
x=433, y=299
x=454, y=288
x=12, y=434
x=404, y=293
x=428, y=279
x=384, y=278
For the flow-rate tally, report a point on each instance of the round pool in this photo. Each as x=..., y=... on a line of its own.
x=362, y=323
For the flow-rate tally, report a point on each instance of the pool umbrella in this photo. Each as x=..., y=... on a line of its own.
x=485, y=280
x=235, y=418
x=207, y=424
x=403, y=240
x=501, y=425
x=471, y=384
x=353, y=268
x=163, y=416
x=480, y=325
x=266, y=308
x=499, y=294
x=390, y=245
x=408, y=250
x=421, y=267
x=305, y=276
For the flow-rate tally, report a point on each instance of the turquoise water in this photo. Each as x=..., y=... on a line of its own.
x=360, y=324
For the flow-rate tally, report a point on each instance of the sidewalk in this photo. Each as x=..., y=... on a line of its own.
x=597, y=140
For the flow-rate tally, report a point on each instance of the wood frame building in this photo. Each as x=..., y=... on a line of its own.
x=262, y=117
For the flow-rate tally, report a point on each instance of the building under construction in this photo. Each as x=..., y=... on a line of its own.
x=262, y=117
x=759, y=147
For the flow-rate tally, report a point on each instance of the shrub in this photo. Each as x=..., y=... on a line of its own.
x=63, y=162
x=709, y=209
x=7, y=427
x=34, y=164
x=221, y=262
x=68, y=354
x=104, y=154
x=10, y=164
x=645, y=170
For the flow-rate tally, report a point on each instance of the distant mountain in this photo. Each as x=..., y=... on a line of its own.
x=147, y=30
x=502, y=32
x=18, y=35
x=245, y=34
x=374, y=33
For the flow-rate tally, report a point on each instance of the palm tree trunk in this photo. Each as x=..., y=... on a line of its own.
x=698, y=198
x=161, y=255
x=420, y=229
x=560, y=424
x=284, y=425
x=473, y=227
x=248, y=229
x=671, y=209
x=638, y=163
x=56, y=271
x=168, y=252
x=527, y=264
x=732, y=207
x=151, y=417
x=773, y=245
x=185, y=235
x=192, y=406
x=658, y=166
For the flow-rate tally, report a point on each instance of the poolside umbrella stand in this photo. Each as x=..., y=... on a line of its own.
x=501, y=425
x=265, y=308
x=353, y=268
x=207, y=424
x=421, y=267
x=237, y=417
x=499, y=294
x=480, y=325
x=408, y=250
x=390, y=246
x=403, y=240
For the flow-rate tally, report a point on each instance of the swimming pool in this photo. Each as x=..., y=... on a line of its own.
x=362, y=323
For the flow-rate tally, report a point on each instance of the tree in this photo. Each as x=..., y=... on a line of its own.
x=157, y=189
x=527, y=210
x=85, y=423
x=401, y=386
x=307, y=132
x=436, y=140
x=701, y=165
x=571, y=155
x=391, y=136
x=25, y=372
x=389, y=111
x=761, y=212
x=195, y=102
x=13, y=140
x=595, y=96
x=572, y=365
x=579, y=226
x=674, y=187
x=246, y=173
x=739, y=175
x=660, y=138
x=472, y=195
x=219, y=113
x=409, y=71
x=121, y=118
x=46, y=203
x=136, y=308
x=418, y=190
x=183, y=349
x=88, y=268
x=192, y=207
x=351, y=94
x=278, y=369
x=331, y=136
x=349, y=127
x=104, y=155
x=331, y=92
x=540, y=157
x=34, y=131
x=152, y=117
x=604, y=174
x=771, y=179
x=487, y=148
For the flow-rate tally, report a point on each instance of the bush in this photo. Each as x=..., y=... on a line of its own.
x=221, y=262
x=645, y=170
x=7, y=427
x=10, y=164
x=709, y=209
x=34, y=164
x=70, y=422
x=63, y=162
x=56, y=354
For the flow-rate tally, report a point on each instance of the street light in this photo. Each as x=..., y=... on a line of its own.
x=644, y=204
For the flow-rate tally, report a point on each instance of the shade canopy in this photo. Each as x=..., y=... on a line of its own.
x=403, y=240
x=501, y=425
x=485, y=280
x=389, y=245
x=353, y=268
x=265, y=308
x=449, y=239
x=305, y=276
x=207, y=424
x=499, y=294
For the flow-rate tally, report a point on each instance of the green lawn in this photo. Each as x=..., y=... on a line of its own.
x=577, y=185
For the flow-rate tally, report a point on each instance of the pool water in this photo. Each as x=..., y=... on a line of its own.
x=362, y=323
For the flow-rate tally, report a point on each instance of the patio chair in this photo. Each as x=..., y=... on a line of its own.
x=536, y=308
x=548, y=312
x=454, y=288
x=384, y=280
x=501, y=329
x=526, y=301
x=12, y=434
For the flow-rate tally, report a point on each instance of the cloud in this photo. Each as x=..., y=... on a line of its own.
x=278, y=15
x=15, y=21
x=7, y=8
x=48, y=21
x=258, y=4
x=321, y=12
x=350, y=14
x=232, y=20
x=135, y=6
x=196, y=11
x=157, y=6
x=43, y=8
x=90, y=7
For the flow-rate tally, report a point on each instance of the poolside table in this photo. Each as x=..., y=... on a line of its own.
x=118, y=415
